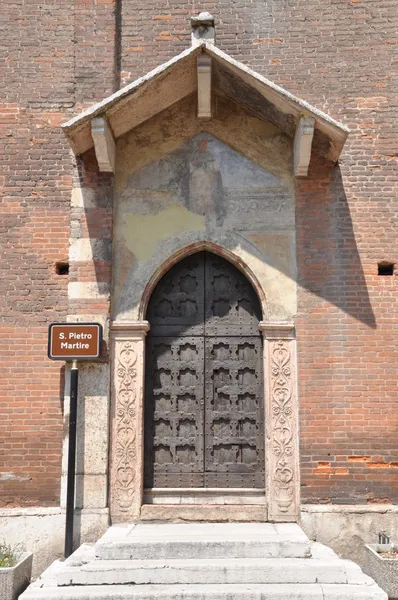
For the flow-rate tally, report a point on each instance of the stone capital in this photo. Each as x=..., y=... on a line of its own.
x=277, y=330
x=131, y=328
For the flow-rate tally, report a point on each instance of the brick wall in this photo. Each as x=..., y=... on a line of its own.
x=339, y=56
x=60, y=56
x=346, y=334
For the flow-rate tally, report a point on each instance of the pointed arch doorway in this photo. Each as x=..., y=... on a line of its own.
x=204, y=398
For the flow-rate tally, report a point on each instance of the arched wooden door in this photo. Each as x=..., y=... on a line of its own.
x=204, y=401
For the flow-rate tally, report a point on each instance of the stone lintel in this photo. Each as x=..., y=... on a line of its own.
x=104, y=144
x=204, y=86
x=303, y=145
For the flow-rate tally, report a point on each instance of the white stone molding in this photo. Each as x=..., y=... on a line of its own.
x=303, y=145
x=130, y=326
x=281, y=408
x=127, y=452
x=281, y=329
x=104, y=145
x=204, y=86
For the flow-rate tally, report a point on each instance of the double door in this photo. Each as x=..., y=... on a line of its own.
x=204, y=408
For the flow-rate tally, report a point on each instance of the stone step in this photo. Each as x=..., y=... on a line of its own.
x=208, y=561
x=203, y=540
x=209, y=592
x=201, y=571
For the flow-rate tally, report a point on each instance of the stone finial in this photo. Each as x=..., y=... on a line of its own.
x=203, y=29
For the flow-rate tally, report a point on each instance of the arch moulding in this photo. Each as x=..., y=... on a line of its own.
x=192, y=249
x=127, y=414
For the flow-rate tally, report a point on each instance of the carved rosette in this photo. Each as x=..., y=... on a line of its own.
x=126, y=448
x=283, y=476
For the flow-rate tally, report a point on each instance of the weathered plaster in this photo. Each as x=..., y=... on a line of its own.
x=144, y=232
x=279, y=249
x=154, y=139
x=258, y=140
x=278, y=270
x=231, y=185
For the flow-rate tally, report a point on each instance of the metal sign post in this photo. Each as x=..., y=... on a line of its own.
x=73, y=342
x=70, y=492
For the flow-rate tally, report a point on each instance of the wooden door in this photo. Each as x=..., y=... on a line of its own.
x=204, y=406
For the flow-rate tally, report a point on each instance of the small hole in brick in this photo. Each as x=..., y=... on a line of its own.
x=62, y=268
x=385, y=268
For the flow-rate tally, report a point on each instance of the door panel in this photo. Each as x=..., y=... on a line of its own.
x=234, y=416
x=231, y=304
x=174, y=412
x=177, y=303
x=204, y=413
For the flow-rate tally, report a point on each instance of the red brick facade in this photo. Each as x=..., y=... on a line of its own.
x=337, y=55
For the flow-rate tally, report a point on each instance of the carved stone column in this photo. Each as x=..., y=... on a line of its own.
x=127, y=420
x=281, y=409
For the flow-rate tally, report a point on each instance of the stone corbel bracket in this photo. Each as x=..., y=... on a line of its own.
x=280, y=372
x=104, y=145
x=204, y=86
x=303, y=145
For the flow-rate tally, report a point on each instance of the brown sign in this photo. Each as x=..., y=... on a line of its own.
x=74, y=341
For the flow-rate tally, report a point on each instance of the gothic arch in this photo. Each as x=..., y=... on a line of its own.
x=192, y=249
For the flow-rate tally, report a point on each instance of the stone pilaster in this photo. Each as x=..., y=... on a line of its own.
x=127, y=451
x=281, y=408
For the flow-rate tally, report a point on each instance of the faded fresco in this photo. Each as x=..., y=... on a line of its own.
x=204, y=191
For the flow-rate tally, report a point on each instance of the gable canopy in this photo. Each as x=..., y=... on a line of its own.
x=206, y=70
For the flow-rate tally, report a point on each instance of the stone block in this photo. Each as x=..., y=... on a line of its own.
x=383, y=570
x=14, y=580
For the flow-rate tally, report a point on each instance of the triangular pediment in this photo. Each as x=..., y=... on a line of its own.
x=208, y=72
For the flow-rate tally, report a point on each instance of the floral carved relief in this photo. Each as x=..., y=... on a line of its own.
x=125, y=451
x=282, y=426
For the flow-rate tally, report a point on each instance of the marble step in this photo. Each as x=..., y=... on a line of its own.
x=217, y=571
x=145, y=541
x=314, y=591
